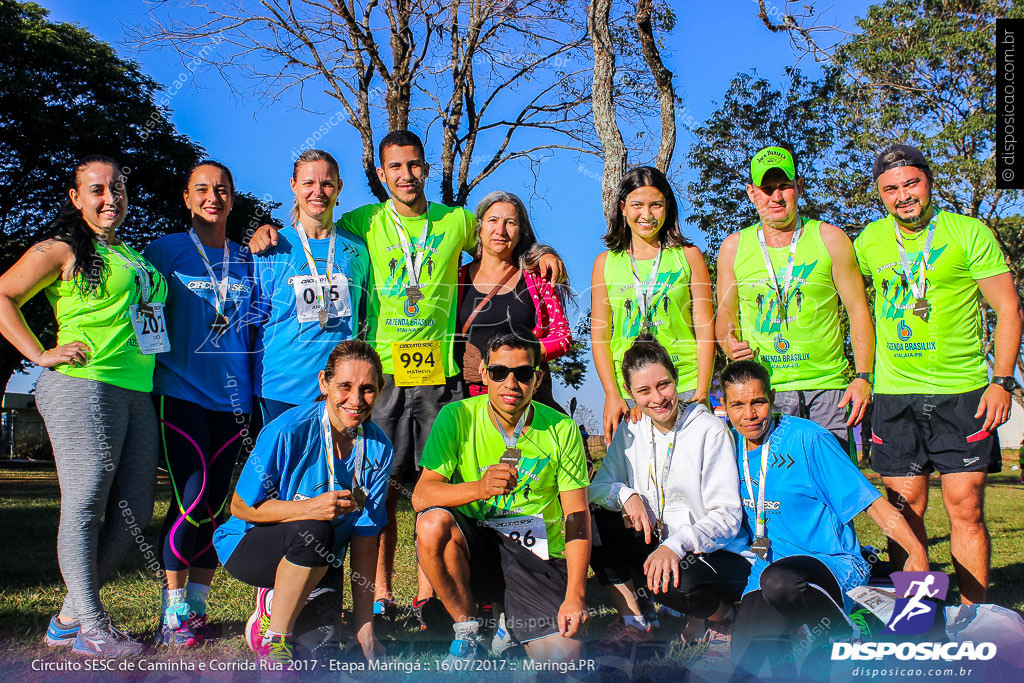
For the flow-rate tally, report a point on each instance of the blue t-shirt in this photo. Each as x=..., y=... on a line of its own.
x=814, y=491
x=289, y=462
x=213, y=372
x=290, y=346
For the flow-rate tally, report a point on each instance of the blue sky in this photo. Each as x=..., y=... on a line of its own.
x=711, y=43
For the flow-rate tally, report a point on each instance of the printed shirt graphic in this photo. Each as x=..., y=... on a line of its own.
x=201, y=367
x=100, y=320
x=803, y=350
x=452, y=230
x=289, y=463
x=943, y=355
x=671, y=306
x=464, y=442
x=814, y=492
x=289, y=353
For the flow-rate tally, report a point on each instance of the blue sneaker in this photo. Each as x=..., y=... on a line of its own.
x=105, y=640
x=59, y=634
x=467, y=646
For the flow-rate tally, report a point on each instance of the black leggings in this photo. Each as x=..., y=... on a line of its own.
x=306, y=543
x=705, y=581
x=795, y=590
x=200, y=448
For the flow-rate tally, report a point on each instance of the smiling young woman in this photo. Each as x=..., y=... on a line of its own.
x=94, y=391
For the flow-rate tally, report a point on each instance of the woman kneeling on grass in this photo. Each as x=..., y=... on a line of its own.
x=314, y=484
x=671, y=511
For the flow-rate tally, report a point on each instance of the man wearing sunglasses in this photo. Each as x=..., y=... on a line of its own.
x=503, y=509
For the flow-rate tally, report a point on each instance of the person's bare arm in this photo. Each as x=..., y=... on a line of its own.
x=572, y=613
x=703, y=320
x=326, y=506
x=363, y=551
x=727, y=321
x=435, y=490
x=1001, y=295
x=37, y=269
x=600, y=341
x=850, y=285
x=893, y=525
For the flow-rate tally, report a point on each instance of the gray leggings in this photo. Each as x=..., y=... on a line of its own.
x=105, y=444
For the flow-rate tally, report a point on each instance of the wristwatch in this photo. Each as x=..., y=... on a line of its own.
x=868, y=377
x=1008, y=383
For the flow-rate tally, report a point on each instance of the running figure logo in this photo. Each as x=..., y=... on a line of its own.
x=914, y=613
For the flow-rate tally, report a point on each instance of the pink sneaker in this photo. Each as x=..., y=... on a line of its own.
x=259, y=620
x=276, y=656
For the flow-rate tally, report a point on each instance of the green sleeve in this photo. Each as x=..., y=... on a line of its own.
x=984, y=257
x=572, y=460
x=470, y=242
x=356, y=222
x=858, y=249
x=441, y=452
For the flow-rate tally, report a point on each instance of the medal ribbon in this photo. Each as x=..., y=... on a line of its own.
x=759, y=521
x=141, y=274
x=220, y=289
x=645, y=289
x=908, y=271
x=360, y=455
x=413, y=256
x=781, y=293
x=323, y=298
x=659, y=489
x=510, y=441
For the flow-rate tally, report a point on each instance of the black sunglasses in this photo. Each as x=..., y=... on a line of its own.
x=523, y=373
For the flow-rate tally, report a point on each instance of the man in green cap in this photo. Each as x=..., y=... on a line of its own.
x=935, y=406
x=779, y=285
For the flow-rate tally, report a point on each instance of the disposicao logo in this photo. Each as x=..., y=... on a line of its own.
x=914, y=611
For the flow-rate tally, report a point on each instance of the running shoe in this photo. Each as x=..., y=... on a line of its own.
x=502, y=639
x=59, y=634
x=175, y=630
x=105, y=640
x=467, y=646
x=276, y=654
x=197, y=624
x=259, y=620
x=621, y=637
x=431, y=615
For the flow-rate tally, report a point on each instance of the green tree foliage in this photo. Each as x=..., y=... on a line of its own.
x=63, y=95
x=571, y=369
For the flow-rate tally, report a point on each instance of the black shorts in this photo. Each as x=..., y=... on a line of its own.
x=406, y=415
x=500, y=570
x=914, y=434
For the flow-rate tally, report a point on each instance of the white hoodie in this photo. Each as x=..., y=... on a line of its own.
x=702, y=501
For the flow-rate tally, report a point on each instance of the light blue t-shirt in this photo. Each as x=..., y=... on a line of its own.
x=814, y=491
x=290, y=352
x=289, y=462
x=213, y=372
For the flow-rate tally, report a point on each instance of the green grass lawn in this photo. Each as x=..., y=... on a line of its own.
x=31, y=589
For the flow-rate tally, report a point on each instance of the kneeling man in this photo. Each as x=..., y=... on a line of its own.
x=503, y=512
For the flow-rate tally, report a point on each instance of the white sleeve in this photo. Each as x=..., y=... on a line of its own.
x=720, y=493
x=609, y=489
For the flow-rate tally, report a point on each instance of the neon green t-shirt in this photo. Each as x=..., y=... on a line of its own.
x=803, y=350
x=671, y=311
x=452, y=230
x=464, y=442
x=101, y=321
x=943, y=355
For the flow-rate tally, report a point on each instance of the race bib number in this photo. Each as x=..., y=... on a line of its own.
x=417, y=364
x=307, y=289
x=529, y=532
x=150, y=328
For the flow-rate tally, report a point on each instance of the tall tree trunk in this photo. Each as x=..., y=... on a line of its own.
x=605, y=123
x=663, y=79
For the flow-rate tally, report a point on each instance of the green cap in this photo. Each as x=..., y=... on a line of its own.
x=769, y=158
